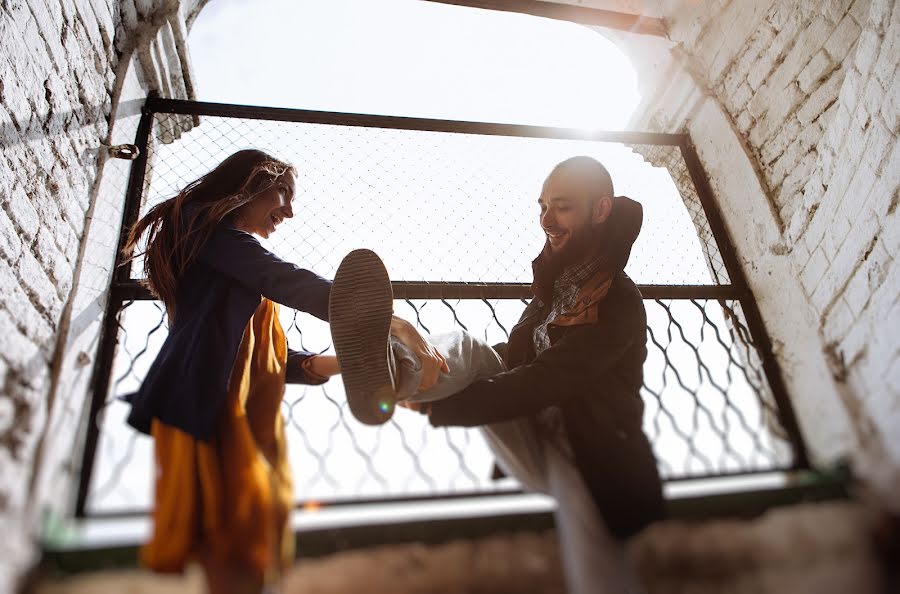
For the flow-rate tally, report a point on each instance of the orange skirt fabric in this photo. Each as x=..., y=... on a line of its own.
x=228, y=500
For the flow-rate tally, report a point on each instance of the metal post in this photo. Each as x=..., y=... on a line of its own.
x=755, y=323
x=109, y=334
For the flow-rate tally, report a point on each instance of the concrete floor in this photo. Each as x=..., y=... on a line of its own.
x=804, y=549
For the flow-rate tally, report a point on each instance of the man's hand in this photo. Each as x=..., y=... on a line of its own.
x=433, y=363
x=419, y=407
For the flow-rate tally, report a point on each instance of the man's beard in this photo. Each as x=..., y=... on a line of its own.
x=581, y=246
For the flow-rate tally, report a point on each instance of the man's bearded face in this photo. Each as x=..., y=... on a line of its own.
x=568, y=218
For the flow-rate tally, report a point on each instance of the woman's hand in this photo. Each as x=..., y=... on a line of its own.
x=324, y=365
x=433, y=363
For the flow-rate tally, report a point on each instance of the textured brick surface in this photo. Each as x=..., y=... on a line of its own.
x=819, y=128
x=60, y=208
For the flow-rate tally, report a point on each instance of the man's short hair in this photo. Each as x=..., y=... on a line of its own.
x=590, y=168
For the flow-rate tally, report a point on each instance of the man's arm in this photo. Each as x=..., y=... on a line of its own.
x=582, y=357
x=239, y=255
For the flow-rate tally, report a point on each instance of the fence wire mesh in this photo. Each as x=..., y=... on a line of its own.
x=444, y=208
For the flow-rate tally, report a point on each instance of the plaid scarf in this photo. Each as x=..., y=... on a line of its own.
x=565, y=290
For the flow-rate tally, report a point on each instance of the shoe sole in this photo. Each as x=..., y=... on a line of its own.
x=359, y=310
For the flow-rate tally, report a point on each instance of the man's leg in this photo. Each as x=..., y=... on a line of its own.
x=514, y=443
x=594, y=561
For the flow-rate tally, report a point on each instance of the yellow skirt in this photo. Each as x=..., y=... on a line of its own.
x=228, y=500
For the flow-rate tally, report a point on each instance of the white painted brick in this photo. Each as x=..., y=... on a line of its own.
x=14, y=98
x=814, y=271
x=811, y=136
x=837, y=128
x=786, y=162
x=16, y=350
x=838, y=230
x=851, y=89
x=891, y=106
x=824, y=294
x=855, y=140
x=818, y=225
x=759, y=43
x=867, y=51
x=804, y=46
x=843, y=38
x=879, y=12
x=857, y=293
x=819, y=101
x=873, y=96
x=32, y=323
x=838, y=321
x=744, y=122
x=888, y=294
x=860, y=11
x=38, y=285
x=886, y=64
x=777, y=145
x=813, y=189
x=779, y=106
x=814, y=71
x=853, y=202
x=892, y=377
x=834, y=10
x=761, y=69
x=23, y=213
x=826, y=160
x=850, y=253
x=856, y=341
x=741, y=97
x=882, y=199
x=10, y=242
x=879, y=141
x=796, y=179
x=46, y=250
x=861, y=118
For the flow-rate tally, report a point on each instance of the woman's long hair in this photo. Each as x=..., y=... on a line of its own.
x=174, y=240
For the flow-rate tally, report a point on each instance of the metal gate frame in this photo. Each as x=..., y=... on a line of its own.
x=124, y=289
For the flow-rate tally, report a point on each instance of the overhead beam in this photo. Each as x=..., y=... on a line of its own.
x=622, y=21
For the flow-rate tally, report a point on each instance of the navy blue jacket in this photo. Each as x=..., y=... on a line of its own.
x=187, y=384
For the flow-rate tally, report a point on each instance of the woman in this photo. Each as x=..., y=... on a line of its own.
x=211, y=399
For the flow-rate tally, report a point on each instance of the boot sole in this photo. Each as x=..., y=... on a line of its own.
x=359, y=310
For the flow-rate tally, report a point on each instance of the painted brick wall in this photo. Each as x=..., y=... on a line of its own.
x=809, y=90
x=814, y=92
x=73, y=75
x=57, y=65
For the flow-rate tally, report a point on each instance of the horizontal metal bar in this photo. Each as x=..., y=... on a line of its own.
x=134, y=290
x=444, y=290
x=690, y=292
x=621, y=21
x=341, y=502
x=325, y=503
x=283, y=114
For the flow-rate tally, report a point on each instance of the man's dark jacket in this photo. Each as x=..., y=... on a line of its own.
x=187, y=384
x=592, y=371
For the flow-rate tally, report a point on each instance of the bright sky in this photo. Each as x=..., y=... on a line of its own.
x=412, y=58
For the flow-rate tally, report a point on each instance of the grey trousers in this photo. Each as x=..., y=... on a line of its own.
x=594, y=562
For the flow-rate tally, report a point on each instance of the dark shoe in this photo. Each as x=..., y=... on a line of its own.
x=360, y=310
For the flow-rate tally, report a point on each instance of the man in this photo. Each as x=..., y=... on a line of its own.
x=562, y=410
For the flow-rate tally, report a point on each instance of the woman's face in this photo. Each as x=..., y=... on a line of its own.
x=264, y=213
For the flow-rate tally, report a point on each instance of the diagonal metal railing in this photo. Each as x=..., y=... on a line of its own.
x=454, y=203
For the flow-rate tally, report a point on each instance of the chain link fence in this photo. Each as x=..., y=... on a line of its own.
x=446, y=209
